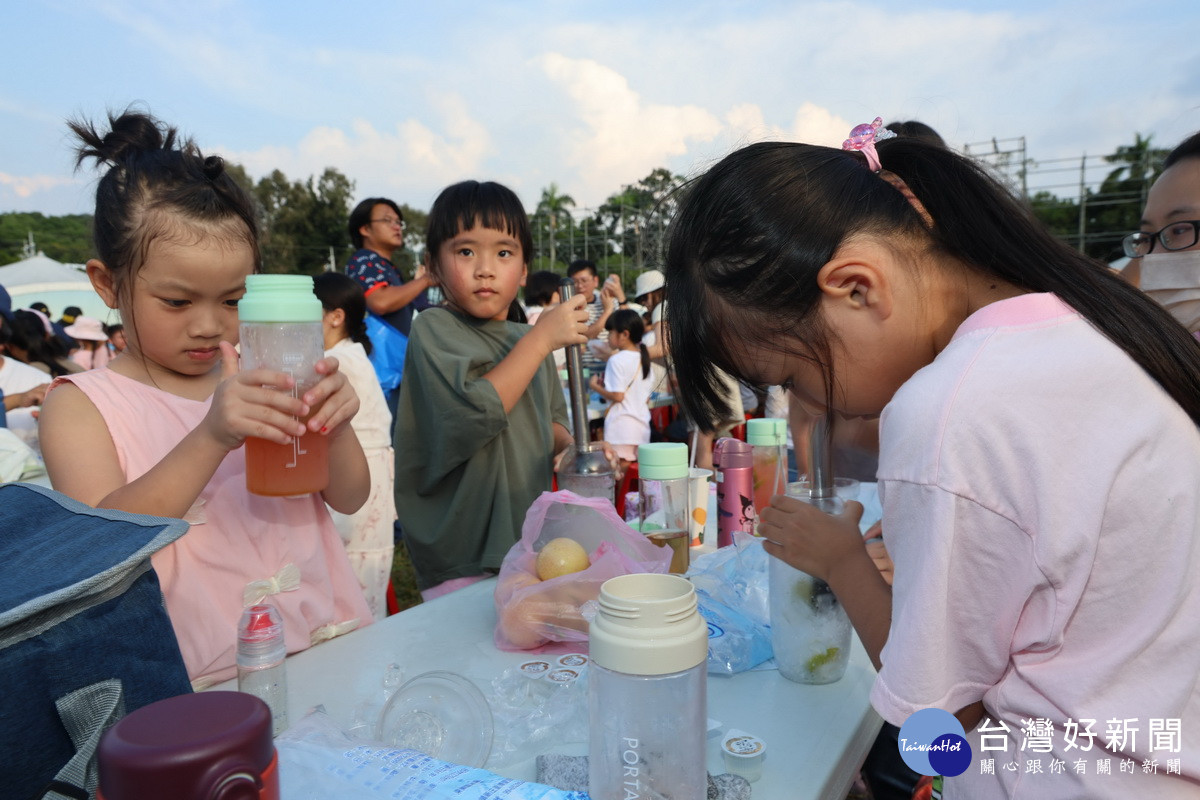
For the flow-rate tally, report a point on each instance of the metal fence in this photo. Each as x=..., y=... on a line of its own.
x=1072, y=182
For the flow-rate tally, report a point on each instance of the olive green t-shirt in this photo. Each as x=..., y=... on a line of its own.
x=466, y=472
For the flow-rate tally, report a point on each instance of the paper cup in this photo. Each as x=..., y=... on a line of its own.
x=698, y=502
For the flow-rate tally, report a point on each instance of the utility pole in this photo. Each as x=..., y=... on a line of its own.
x=1082, y=201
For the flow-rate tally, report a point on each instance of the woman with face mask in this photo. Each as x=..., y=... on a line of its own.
x=1165, y=253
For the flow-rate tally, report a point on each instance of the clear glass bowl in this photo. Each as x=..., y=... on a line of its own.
x=441, y=714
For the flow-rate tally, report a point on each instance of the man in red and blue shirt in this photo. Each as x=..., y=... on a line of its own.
x=376, y=227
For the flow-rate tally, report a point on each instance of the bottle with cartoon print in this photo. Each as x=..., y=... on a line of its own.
x=733, y=464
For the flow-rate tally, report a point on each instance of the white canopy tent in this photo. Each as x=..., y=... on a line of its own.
x=58, y=285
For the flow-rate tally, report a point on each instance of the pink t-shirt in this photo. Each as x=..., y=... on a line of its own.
x=1041, y=505
x=286, y=551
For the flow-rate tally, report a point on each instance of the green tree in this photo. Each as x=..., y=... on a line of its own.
x=66, y=238
x=406, y=259
x=1060, y=215
x=1096, y=221
x=302, y=221
x=551, y=219
x=1115, y=208
x=635, y=219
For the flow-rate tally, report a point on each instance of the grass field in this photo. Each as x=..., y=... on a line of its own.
x=404, y=582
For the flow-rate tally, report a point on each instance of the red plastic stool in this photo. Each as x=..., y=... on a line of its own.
x=628, y=484
x=739, y=431
x=393, y=605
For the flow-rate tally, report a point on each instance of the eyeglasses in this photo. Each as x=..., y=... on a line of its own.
x=1176, y=236
x=391, y=221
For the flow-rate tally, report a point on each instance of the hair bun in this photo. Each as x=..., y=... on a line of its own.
x=129, y=134
x=213, y=167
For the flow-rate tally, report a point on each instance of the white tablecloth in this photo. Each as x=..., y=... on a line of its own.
x=817, y=736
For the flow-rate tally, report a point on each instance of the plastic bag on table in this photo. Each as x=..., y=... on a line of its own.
x=737, y=577
x=736, y=643
x=318, y=760
x=532, y=612
x=537, y=706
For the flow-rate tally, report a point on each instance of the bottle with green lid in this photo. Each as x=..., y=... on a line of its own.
x=663, y=498
x=768, y=438
x=280, y=329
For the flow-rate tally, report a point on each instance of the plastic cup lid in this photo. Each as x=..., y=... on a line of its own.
x=562, y=676
x=662, y=461
x=743, y=745
x=440, y=714
x=573, y=660
x=534, y=669
x=767, y=431
x=279, y=298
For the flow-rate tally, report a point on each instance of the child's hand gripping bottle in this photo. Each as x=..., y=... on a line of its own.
x=281, y=330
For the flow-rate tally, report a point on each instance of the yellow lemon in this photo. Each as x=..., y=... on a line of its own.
x=561, y=556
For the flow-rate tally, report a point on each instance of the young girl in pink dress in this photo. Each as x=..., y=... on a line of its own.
x=160, y=429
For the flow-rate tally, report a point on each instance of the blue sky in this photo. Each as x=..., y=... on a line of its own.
x=405, y=98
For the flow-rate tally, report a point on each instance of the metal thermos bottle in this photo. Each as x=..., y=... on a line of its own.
x=191, y=747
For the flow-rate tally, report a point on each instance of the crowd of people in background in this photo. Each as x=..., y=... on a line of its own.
x=446, y=416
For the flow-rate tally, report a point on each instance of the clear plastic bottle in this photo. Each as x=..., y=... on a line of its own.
x=810, y=631
x=768, y=437
x=664, y=506
x=261, y=652
x=647, y=689
x=281, y=330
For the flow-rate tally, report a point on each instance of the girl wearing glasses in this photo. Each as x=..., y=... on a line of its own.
x=1165, y=254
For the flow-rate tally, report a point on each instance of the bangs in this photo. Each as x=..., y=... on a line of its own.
x=710, y=336
x=491, y=205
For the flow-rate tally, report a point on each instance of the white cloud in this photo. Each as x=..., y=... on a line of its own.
x=819, y=126
x=409, y=161
x=25, y=186
x=811, y=123
x=618, y=137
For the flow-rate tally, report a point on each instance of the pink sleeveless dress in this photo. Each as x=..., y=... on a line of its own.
x=240, y=549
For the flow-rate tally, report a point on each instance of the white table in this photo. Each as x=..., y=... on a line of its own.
x=816, y=735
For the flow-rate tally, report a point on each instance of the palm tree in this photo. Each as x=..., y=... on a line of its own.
x=553, y=208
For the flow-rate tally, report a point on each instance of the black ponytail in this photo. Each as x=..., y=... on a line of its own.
x=626, y=320
x=337, y=290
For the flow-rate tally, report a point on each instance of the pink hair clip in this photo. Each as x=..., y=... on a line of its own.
x=863, y=138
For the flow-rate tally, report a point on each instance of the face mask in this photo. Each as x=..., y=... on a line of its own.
x=1173, y=281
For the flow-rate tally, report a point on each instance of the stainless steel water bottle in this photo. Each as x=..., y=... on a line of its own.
x=733, y=461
